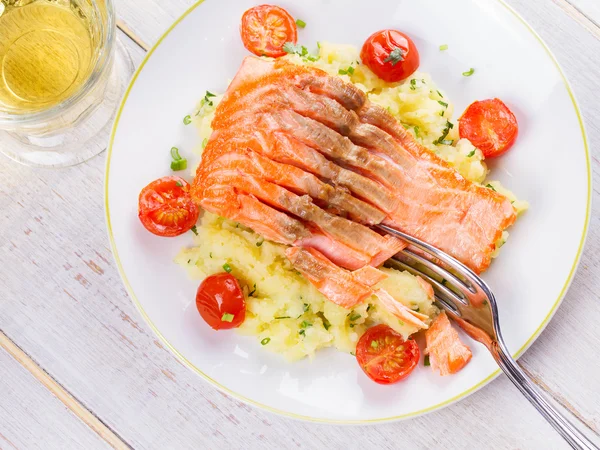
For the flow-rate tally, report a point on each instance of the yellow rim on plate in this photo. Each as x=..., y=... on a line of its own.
x=313, y=419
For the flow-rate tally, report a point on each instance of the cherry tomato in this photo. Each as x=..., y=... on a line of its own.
x=385, y=356
x=220, y=302
x=266, y=28
x=391, y=55
x=165, y=207
x=490, y=126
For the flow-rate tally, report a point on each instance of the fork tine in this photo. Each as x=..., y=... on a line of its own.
x=451, y=296
x=445, y=274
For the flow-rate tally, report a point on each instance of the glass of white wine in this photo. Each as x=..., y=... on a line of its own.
x=62, y=75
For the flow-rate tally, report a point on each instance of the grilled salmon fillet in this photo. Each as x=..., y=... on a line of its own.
x=306, y=160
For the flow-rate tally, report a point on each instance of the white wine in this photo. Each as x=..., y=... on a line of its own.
x=46, y=52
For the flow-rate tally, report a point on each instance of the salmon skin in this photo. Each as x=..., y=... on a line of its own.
x=306, y=160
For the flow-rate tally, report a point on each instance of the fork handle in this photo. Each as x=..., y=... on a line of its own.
x=521, y=380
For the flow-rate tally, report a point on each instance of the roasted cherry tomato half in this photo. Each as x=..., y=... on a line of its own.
x=266, y=28
x=391, y=55
x=490, y=126
x=220, y=301
x=385, y=356
x=165, y=207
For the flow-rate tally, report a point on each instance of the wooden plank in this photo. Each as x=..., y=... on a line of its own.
x=67, y=307
x=32, y=417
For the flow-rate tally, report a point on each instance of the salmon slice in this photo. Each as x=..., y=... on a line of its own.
x=368, y=246
x=298, y=181
x=335, y=283
x=447, y=354
x=400, y=310
x=302, y=117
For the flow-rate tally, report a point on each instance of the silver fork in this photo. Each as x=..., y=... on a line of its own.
x=468, y=300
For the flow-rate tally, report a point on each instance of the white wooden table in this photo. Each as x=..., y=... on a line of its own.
x=80, y=369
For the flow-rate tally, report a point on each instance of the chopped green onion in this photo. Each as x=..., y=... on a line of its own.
x=442, y=113
x=210, y=254
x=260, y=241
x=189, y=261
x=369, y=308
x=300, y=23
x=440, y=94
x=253, y=291
x=318, y=45
x=471, y=153
x=491, y=187
x=374, y=344
x=306, y=307
x=179, y=184
x=312, y=58
x=204, y=143
x=355, y=316
x=395, y=56
x=209, y=94
x=265, y=341
x=401, y=323
x=175, y=154
x=348, y=71
x=413, y=84
x=305, y=324
x=470, y=72
x=443, y=47
x=444, y=104
x=326, y=325
x=227, y=268
x=446, y=142
x=449, y=124
x=416, y=131
x=302, y=332
x=227, y=317
x=194, y=230
x=353, y=354
x=426, y=361
x=179, y=165
x=283, y=317
x=187, y=120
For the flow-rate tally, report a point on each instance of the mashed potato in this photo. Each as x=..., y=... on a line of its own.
x=283, y=306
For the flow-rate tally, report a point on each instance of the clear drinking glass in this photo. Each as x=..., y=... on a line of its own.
x=62, y=75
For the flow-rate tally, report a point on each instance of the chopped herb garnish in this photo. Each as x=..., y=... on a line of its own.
x=306, y=307
x=265, y=341
x=442, y=113
x=206, y=100
x=178, y=162
x=227, y=317
x=369, y=308
x=227, y=268
x=353, y=354
x=401, y=323
x=416, y=128
x=189, y=261
x=302, y=332
x=260, y=241
x=470, y=72
x=444, y=104
x=416, y=309
x=426, y=361
x=491, y=187
x=446, y=142
x=194, y=230
x=348, y=71
x=443, y=47
x=305, y=324
x=283, y=317
x=253, y=291
x=300, y=23
x=297, y=49
x=413, y=84
x=355, y=316
x=210, y=255
x=187, y=120
x=471, y=153
x=374, y=344
x=204, y=143
x=395, y=56
x=440, y=94
x=179, y=184
x=312, y=58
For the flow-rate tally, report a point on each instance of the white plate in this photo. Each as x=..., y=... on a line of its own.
x=549, y=166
